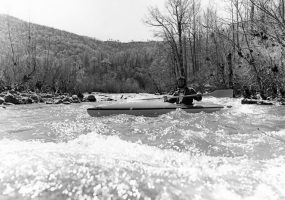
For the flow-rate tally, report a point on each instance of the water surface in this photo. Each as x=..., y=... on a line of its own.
x=59, y=152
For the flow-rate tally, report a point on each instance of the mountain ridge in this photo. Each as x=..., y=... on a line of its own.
x=49, y=33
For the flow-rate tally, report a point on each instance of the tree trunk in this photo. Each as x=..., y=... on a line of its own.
x=252, y=16
x=282, y=10
x=185, y=57
x=230, y=65
x=180, y=50
x=237, y=22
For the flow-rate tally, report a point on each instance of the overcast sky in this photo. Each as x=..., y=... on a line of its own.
x=102, y=19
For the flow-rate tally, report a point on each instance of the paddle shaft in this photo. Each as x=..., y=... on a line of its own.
x=216, y=93
x=192, y=95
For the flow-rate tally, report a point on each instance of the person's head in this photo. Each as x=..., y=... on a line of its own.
x=181, y=82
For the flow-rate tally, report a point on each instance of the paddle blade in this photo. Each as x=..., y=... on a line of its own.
x=222, y=93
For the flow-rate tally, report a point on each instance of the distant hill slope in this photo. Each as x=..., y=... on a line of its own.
x=60, y=42
x=67, y=61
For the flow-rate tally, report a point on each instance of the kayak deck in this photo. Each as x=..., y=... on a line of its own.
x=148, y=109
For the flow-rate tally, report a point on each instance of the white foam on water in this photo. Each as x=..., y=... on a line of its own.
x=236, y=153
x=107, y=166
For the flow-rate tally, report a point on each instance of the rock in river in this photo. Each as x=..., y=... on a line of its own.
x=9, y=98
x=91, y=98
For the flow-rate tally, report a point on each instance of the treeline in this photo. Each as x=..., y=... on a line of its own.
x=39, y=58
x=242, y=49
x=133, y=70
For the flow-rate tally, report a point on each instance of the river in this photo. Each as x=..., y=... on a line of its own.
x=58, y=152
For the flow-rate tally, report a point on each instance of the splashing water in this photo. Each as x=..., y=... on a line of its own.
x=59, y=152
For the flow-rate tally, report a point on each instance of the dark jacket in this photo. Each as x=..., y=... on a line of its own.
x=186, y=100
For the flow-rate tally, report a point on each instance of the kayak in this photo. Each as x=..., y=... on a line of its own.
x=149, y=109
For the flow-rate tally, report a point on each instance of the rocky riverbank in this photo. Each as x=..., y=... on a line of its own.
x=14, y=98
x=263, y=102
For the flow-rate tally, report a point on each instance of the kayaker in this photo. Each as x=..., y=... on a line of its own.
x=246, y=92
x=181, y=92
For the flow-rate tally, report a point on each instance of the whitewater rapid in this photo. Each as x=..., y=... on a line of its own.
x=59, y=152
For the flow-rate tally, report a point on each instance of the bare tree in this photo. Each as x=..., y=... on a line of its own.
x=31, y=61
x=193, y=33
x=172, y=26
x=272, y=19
x=11, y=44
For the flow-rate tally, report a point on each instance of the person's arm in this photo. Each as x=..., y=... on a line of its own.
x=171, y=100
x=198, y=97
x=191, y=91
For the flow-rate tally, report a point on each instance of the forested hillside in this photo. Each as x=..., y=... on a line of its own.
x=34, y=56
x=243, y=50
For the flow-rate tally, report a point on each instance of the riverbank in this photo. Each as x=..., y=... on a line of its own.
x=263, y=102
x=12, y=97
x=15, y=98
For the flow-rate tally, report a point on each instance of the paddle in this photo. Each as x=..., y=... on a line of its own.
x=217, y=93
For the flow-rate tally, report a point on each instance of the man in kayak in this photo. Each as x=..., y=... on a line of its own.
x=181, y=95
